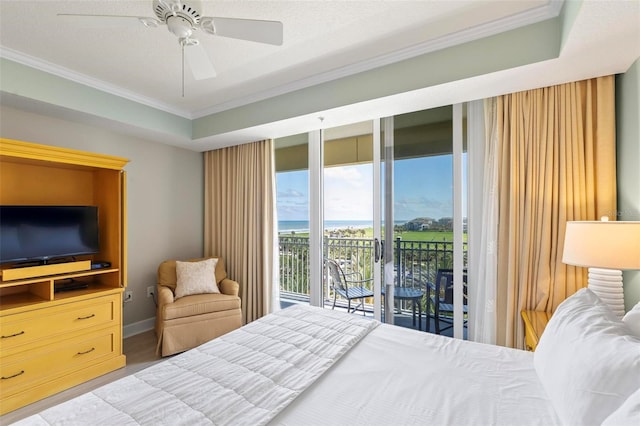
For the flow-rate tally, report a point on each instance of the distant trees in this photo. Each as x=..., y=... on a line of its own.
x=346, y=232
x=426, y=224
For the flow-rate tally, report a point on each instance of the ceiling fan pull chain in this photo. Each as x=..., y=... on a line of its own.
x=182, y=44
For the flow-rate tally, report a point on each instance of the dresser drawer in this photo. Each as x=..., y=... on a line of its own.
x=23, y=370
x=33, y=326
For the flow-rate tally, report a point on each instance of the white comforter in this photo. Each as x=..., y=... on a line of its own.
x=398, y=376
x=244, y=377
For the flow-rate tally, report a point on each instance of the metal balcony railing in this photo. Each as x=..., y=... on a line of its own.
x=415, y=262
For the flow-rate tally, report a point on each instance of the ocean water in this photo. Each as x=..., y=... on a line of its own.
x=303, y=225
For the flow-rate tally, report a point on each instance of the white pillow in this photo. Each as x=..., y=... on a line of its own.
x=196, y=277
x=628, y=414
x=632, y=319
x=587, y=360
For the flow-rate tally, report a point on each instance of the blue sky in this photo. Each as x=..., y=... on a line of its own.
x=423, y=188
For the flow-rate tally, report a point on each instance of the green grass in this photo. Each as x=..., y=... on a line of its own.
x=425, y=235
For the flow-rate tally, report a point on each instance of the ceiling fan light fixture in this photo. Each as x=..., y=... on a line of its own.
x=180, y=27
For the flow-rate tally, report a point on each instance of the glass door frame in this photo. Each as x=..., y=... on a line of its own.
x=316, y=218
x=458, y=222
x=384, y=126
x=387, y=129
x=377, y=222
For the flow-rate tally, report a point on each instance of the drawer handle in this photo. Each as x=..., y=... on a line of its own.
x=86, y=352
x=15, y=375
x=13, y=335
x=87, y=317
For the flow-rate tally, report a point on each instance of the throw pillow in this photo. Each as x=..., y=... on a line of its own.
x=196, y=278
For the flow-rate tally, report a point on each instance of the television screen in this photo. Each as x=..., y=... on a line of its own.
x=41, y=233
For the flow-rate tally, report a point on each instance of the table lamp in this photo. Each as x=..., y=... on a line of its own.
x=605, y=248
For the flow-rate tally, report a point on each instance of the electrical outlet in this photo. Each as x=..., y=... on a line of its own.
x=128, y=296
x=150, y=291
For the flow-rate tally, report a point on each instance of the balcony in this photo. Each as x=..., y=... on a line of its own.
x=415, y=264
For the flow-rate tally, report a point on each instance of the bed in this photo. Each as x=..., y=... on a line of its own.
x=312, y=366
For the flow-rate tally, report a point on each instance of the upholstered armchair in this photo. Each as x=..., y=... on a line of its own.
x=190, y=311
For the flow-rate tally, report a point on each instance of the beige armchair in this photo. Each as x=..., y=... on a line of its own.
x=189, y=321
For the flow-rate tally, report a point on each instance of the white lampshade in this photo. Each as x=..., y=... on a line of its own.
x=605, y=248
x=602, y=244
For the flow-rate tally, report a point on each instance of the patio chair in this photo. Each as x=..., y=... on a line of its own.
x=349, y=285
x=442, y=299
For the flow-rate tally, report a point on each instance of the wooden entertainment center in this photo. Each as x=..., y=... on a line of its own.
x=53, y=340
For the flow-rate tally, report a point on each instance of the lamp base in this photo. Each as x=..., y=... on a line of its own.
x=607, y=285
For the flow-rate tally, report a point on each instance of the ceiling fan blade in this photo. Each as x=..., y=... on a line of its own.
x=269, y=32
x=199, y=62
x=145, y=20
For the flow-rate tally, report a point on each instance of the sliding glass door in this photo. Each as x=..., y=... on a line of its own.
x=384, y=202
x=429, y=220
x=327, y=184
x=292, y=200
x=351, y=224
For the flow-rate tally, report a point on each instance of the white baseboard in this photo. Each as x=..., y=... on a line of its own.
x=138, y=327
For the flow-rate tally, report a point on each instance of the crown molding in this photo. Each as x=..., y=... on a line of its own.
x=85, y=80
x=548, y=11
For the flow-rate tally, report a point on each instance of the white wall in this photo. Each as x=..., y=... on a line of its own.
x=164, y=196
x=628, y=158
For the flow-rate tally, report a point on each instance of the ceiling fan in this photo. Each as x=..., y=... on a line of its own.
x=183, y=18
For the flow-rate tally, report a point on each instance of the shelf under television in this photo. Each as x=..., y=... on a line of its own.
x=33, y=293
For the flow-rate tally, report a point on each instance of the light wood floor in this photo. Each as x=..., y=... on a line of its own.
x=140, y=351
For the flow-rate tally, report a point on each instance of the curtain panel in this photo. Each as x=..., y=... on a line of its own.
x=556, y=161
x=483, y=219
x=239, y=220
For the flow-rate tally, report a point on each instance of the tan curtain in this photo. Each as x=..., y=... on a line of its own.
x=557, y=163
x=239, y=216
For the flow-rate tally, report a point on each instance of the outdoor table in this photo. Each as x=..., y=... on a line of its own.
x=415, y=295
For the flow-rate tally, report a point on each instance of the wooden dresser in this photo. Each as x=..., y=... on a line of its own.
x=51, y=341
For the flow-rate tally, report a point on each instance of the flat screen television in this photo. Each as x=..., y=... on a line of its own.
x=44, y=233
